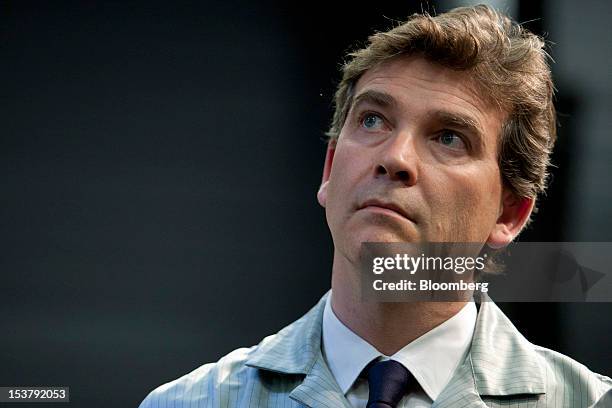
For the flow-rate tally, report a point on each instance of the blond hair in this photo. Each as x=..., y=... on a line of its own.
x=509, y=65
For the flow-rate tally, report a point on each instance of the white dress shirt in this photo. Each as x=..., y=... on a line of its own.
x=431, y=358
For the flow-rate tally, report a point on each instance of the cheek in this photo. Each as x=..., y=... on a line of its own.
x=463, y=204
x=339, y=187
x=347, y=170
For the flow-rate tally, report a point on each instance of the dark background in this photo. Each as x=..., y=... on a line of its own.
x=159, y=168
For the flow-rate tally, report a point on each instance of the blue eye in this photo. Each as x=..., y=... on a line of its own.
x=371, y=121
x=452, y=140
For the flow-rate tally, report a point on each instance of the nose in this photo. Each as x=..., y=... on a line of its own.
x=398, y=160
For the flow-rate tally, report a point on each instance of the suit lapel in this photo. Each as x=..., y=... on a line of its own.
x=296, y=349
x=319, y=388
x=504, y=362
x=501, y=364
x=460, y=391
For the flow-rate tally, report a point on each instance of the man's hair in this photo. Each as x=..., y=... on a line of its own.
x=510, y=69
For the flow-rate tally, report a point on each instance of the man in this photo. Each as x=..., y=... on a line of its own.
x=442, y=133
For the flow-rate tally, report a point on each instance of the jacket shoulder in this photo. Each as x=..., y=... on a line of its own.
x=262, y=375
x=567, y=379
x=202, y=384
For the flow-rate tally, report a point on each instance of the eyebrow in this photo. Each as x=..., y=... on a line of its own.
x=376, y=98
x=460, y=122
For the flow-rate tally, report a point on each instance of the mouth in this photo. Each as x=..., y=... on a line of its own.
x=385, y=207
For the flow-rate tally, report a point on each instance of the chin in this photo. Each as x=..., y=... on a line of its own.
x=384, y=235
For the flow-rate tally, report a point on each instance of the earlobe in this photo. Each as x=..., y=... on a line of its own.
x=322, y=194
x=499, y=237
x=327, y=166
x=515, y=212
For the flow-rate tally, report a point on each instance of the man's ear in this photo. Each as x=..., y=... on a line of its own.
x=514, y=213
x=329, y=158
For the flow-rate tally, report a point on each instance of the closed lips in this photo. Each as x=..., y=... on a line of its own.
x=386, y=205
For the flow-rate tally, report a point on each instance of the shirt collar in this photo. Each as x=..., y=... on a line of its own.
x=346, y=353
x=497, y=347
x=431, y=358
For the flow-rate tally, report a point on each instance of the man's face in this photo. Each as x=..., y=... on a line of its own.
x=416, y=160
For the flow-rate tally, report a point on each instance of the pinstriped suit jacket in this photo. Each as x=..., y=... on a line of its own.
x=288, y=370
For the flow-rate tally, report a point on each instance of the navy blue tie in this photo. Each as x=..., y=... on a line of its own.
x=388, y=381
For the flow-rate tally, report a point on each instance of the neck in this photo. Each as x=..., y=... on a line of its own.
x=386, y=326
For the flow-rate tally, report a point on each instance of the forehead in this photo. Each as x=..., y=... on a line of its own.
x=421, y=86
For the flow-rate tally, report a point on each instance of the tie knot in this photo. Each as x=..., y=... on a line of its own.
x=388, y=381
